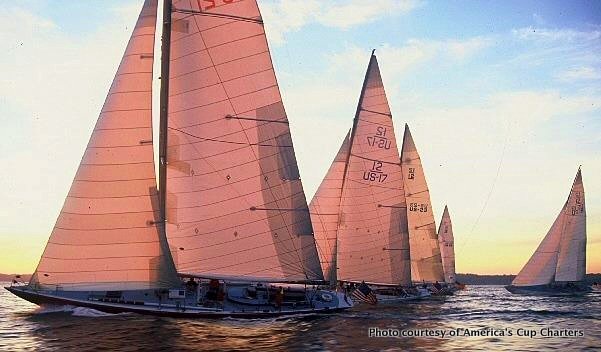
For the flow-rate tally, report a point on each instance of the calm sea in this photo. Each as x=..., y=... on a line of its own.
x=488, y=311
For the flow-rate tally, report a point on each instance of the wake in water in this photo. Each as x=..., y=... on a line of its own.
x=75, y=311
x=52, y=308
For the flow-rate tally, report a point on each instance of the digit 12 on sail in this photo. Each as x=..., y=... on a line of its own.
x=379, y=139
x=375, y=174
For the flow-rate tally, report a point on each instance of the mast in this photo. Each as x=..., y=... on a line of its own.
x=164, y=109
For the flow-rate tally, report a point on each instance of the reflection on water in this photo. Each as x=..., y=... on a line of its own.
x=24, y=326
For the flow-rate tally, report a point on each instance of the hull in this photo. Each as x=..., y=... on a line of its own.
x=443, y=289
x=147, y=302
x=549, y=290
x=413, y=296
x=395, y=295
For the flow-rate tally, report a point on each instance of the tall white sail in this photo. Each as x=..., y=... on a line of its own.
x=426, y=262
x=561, y=255
x=325, y=211
x=235, y=202
x=447, y=249
x=571, y=263
x=372, y=234
x=106, y=236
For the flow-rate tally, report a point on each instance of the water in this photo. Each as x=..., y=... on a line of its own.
x=24, y=326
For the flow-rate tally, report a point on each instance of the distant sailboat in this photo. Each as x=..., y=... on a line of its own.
x=447, y=250
x=230, y=212
x=558, y=265
x=358, y=212
x=426, y=261
x=325, y=212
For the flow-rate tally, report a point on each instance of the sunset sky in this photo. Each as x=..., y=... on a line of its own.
x=503, y=99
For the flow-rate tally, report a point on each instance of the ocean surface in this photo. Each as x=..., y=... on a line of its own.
x=478, y=317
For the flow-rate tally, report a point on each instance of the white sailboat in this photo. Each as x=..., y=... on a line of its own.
x=358, y=212
x=558, y=265
x=426, y=260
x=229, y=214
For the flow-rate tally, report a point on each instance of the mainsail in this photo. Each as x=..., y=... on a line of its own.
x=561, y=256
x=325, y=211
x=446, y=243
x=235, y=205
x=426, y=262
x=108, y=235
x=372, y=237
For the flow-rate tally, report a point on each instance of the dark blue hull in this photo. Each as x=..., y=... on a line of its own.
x=145, y=302
x=549, y=290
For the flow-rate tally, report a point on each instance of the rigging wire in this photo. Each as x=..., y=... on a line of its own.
x=494, y=183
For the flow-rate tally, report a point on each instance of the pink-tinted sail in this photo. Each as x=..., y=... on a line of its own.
x=325, y=211
x=235, y=202
x=426, y=262
x=372, y=236
x=447, y=246
x=106, y=237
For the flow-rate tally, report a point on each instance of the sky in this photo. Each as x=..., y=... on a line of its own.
x=503, y=99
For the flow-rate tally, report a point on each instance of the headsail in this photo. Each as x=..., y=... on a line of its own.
x=235, y=202
x=325, y=212
x=106, y=237
x=373, y=241
x=426, y=262
x=561, y=256
x=447, y=249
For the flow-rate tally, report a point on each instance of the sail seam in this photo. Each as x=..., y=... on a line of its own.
x=219, y=15
x=219, y=83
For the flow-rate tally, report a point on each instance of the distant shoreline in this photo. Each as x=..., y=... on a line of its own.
x=475, y=279
x=468, y=279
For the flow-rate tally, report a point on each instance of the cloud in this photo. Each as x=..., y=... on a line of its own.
x=579, y=74
x=538, y=19
x=355, y=12
x=411, y=55
x=549, y=35
x=284, y=16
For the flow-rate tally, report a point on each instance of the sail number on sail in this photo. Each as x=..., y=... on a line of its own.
x=376, y=173
x=209, y=4
x=379, y=139
x=578, y=208
x=422, y=208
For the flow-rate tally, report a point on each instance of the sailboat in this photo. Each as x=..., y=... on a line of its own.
x=558, y=265
x=227, y=232
x=447, y=250
x=358, y=211
x=426, y=260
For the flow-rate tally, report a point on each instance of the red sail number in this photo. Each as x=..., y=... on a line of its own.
x=210, y=4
